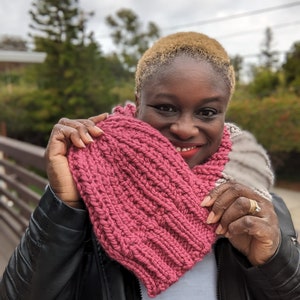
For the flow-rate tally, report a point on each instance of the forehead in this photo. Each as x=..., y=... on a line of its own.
x=188, y=70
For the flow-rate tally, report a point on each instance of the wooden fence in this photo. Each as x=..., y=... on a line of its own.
x=22, y=181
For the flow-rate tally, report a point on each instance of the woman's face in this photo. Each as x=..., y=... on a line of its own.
x=186, y=102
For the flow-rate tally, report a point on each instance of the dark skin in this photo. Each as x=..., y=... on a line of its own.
x=187, y=103
x=187, y=119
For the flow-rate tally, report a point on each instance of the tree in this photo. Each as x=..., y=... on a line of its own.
x=269, y=57
x=61, y=28
x=129, y=37
x=75, y=69
x=13, y=43
x=75, y=80
x=291, y=68
x=264, y=83
x=265, y=76
x=237, y=62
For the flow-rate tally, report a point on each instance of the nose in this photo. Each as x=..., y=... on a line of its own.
x=184, y=128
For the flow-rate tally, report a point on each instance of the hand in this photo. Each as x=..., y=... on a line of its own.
x=65, y=133
x=256, y=235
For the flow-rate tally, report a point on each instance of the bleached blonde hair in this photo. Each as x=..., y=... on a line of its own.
x=192, y=44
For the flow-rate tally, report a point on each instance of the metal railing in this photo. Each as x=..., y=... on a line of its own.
x=22, y=181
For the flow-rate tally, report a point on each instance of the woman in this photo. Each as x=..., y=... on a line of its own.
x=178, y=200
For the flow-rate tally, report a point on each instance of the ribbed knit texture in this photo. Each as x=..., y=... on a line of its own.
x=249, y=163
x=144, y=200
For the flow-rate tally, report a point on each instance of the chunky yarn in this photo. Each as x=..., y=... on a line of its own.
x=144, y=200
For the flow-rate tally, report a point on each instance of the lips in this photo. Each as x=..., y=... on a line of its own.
x=187, y=152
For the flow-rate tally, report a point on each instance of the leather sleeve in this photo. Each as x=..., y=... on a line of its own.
x=279, y=278
x=45, y=263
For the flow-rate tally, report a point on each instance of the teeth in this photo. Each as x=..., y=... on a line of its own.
x=179, y=149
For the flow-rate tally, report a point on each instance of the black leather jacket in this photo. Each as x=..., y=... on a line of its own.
x=58, y=258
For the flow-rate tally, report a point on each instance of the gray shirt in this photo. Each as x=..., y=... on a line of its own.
x=198, y=283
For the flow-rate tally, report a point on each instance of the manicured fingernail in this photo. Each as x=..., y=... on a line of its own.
x=98, y=130
x=90, y=139
x=210, y=217
x=205, y=201
x=81, y=144
x=227, y=235
x=220, y=229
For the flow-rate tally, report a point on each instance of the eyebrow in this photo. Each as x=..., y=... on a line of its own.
x=204, y=100
x=212, y=99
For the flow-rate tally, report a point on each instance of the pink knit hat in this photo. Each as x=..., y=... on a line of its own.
x=144, y=200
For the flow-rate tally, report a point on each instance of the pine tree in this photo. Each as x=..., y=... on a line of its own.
x=74, y=69
x=131, y=39
x=291, y=68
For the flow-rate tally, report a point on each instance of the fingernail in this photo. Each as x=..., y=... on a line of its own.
x=227, y=235
x=210, y=217
x=81, y=144
x=205, y=201
x=90, y=139
x=98, y=130
x=220, y=229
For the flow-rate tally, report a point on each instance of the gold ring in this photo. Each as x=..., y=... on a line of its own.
x=254, y=207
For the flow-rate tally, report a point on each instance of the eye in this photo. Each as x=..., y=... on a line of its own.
x=206, y=113
x=165, y=108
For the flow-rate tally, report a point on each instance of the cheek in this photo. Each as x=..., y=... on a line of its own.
x=217, y=134
x=147, y=116
x=214, y=132
x=151, y=119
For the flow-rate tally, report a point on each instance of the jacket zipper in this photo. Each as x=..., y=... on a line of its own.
x=100, y=267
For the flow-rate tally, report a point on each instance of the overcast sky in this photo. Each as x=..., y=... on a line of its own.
x=239, y=35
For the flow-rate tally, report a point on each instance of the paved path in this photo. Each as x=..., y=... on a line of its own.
x=292, y=200
x=8, y=242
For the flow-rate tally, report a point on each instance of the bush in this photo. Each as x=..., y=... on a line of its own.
x=274, y=121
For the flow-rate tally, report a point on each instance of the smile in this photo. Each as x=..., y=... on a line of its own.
x=179, y=149
x=187, y=152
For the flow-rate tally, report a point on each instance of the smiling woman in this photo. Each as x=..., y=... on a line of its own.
x=191, y=44
x=193, y=121
x=160, y=200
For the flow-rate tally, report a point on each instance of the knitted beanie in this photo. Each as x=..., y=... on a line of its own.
x=144, y=200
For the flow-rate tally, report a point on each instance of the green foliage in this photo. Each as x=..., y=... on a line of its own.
x=70, y=68
x=291, y=68
x=76, y=80
x=264, y=83
x=130, y=38
x=274, y=121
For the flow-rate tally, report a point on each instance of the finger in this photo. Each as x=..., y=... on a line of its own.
x=99, y=118
x=236, y=188
x=262, y=233
x=222, y=200
x=225, y=195
x=210, y=199
x=260, y=228
x=240, y=209
x=83, y=129
x=69, y=135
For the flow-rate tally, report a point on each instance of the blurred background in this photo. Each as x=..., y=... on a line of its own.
x=77, y=59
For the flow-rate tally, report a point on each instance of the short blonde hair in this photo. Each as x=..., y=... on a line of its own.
x=191, y=44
